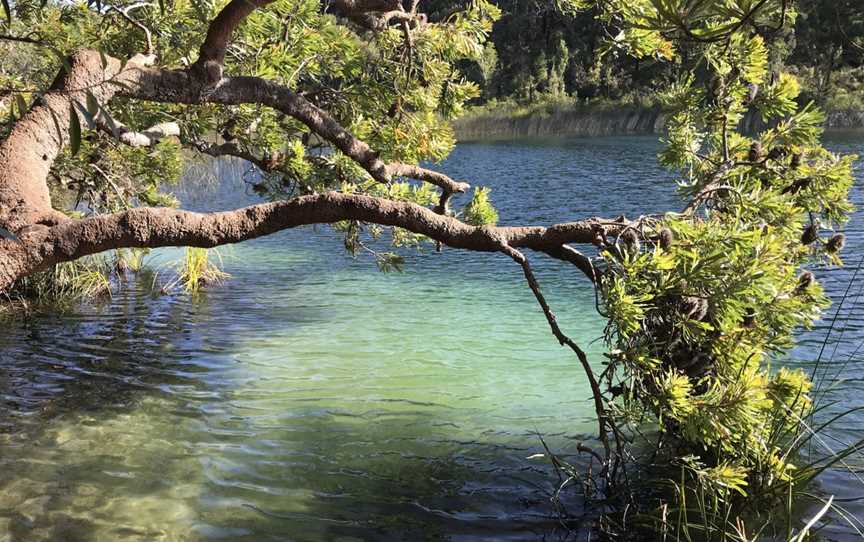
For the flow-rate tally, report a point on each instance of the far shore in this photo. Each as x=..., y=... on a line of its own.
x=606, y=120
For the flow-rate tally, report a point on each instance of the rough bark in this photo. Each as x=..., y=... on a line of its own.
x=173, y=86
x=40, y=135
x=212, y=53
x=160, y=227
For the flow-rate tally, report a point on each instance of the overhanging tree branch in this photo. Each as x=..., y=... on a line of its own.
x=44, y=246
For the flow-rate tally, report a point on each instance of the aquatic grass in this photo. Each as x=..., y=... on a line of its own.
x=196, y=270
x=86, y=278
x=131, y=260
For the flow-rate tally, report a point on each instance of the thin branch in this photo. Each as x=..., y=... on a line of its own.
x=563, y=339
x=124, y=12
x=127, y=136
x=22, y=39
x=397, y=169
x=231, y=149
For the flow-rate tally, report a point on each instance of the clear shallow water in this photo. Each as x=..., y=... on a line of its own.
x=313, y=398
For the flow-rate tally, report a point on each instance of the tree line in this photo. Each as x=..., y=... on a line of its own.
x=539, y=51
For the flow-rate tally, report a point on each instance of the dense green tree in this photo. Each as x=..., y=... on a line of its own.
x=339, y=104
x=829, y=37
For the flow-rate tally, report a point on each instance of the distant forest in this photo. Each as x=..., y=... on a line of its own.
x=540, y=53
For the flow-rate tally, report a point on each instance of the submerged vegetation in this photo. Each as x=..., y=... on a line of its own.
x=87, y=278
x=338, y=105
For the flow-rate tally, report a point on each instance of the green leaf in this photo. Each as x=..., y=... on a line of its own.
x=84, y=112
x=8, y=11
x=22, y=105
x=110, y=120
x=74, y=131
x=92, y=104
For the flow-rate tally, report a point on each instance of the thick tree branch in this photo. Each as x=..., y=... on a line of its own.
x=42, y=247
x=211, y=56
x=45, y=242
x=180, y=87
x=37, y=138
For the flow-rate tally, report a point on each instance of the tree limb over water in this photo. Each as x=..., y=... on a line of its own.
x=696, y=302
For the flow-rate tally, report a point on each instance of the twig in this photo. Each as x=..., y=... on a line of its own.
x=125, y=14
x=563, y=339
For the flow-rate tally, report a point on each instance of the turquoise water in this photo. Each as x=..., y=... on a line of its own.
x=311, y=397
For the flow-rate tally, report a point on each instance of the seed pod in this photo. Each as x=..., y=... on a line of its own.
x=667, y=238
x=700, y=364
x=797, y=186
x=811, y=233
x=805, y=281
x=631, y=242
x=796, y=161
x=749, y=320
x=694, y=308
x=755, y=151
x=714, y=87
x=681, y=355
x=836, y=243
x=777, y=152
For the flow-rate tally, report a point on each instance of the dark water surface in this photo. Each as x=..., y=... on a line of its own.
x=313, y=398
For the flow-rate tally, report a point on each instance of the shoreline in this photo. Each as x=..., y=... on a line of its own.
x=601, y=121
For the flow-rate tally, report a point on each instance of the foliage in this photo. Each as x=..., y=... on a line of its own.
x=479, y=211
x=87, y=279
x=555, y=49
x=195, y=271
x=700, y=308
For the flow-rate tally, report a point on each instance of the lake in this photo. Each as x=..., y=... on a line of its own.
x=311, y=397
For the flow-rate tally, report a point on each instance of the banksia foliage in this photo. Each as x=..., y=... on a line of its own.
x=755, y=153
x=694, y=323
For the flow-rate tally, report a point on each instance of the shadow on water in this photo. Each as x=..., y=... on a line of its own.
x=127, y=421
